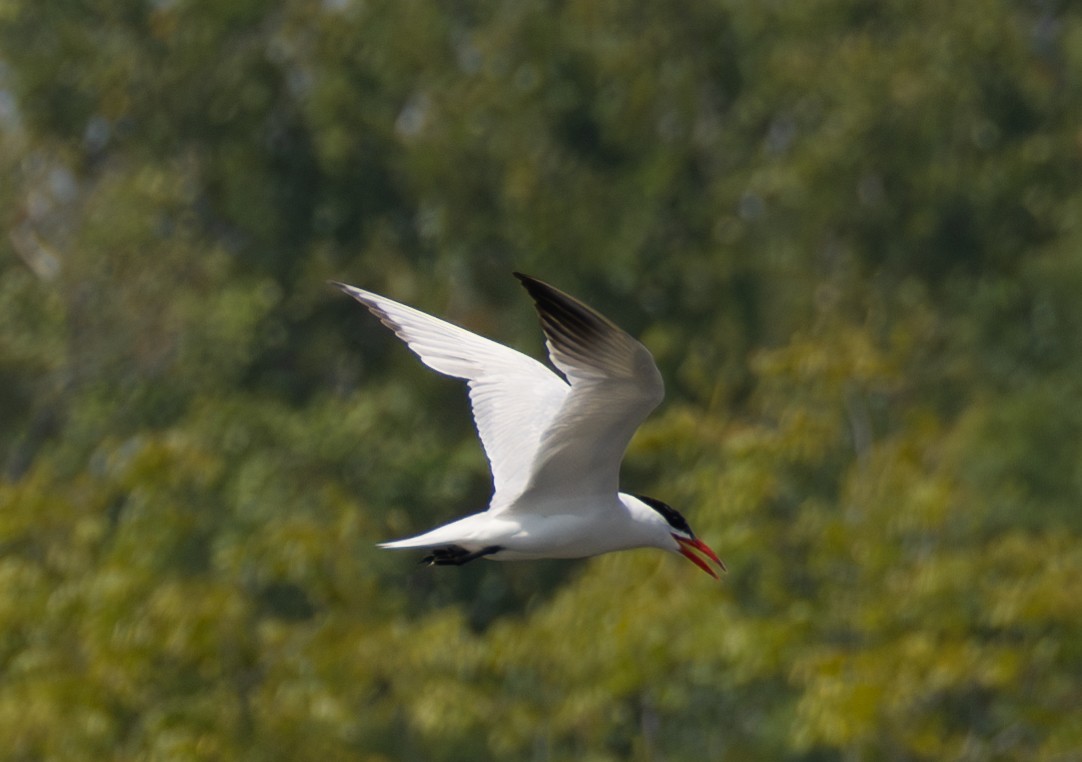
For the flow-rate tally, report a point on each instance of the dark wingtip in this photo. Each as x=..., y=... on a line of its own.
x=575, y=331
x=547, y=297
x=550, y=296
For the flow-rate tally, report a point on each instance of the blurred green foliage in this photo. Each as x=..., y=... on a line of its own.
x=851, y=232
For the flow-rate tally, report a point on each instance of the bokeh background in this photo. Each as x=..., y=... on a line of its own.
x=849, y=230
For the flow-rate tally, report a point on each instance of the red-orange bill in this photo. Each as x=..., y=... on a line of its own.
x=686, y=546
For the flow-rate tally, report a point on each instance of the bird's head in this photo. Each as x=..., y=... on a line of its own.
x=683, y=540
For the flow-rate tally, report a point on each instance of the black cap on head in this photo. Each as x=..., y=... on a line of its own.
x=670, y=514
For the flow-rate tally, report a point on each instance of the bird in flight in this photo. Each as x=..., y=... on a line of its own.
x=554, y=442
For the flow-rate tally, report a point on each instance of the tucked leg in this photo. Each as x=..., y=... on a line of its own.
x=456, y=555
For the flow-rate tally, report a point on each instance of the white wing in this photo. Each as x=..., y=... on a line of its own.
x=614, y=386
x=515, y=398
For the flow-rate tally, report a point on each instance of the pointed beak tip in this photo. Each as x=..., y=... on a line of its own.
x=685, y=550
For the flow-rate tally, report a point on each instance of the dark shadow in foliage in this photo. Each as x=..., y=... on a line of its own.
x=489, y=590
x=286, y=601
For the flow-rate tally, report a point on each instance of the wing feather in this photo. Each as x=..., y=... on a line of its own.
x=614, y=386
x=514, y=397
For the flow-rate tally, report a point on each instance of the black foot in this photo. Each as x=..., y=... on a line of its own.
x=456, y=555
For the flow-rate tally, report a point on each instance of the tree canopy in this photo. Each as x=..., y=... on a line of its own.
x=850, y=232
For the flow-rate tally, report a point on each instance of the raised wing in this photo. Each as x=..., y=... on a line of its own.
x=614, y=386
x=515, y=398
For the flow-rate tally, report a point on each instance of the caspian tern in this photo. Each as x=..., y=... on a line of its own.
x=554, y=443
